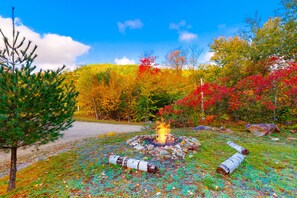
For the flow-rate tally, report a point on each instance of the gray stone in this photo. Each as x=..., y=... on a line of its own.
x=163, y=153
x=178, y=147
x=150, y=147
x=139, y=147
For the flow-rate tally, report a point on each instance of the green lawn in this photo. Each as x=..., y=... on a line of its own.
x=89, y=119
x=271, y=167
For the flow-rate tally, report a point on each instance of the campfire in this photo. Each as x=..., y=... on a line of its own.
x=163, y=144
x=163, y=136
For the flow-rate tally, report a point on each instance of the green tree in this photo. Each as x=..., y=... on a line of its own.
x=232, y=56
x=34, y=106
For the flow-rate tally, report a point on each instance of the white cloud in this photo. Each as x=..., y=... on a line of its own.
x=124, y=61
x=53, y=50
x=205, y=57
x=181, y=28
x=177, y=26
x=187, y=36
x=132, y=24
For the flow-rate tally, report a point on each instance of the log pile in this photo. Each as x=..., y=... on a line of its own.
x=229, y=165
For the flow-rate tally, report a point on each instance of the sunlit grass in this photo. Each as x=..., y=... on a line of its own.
x=271, y=167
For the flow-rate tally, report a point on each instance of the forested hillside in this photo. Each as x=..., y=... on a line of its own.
x=252, y=78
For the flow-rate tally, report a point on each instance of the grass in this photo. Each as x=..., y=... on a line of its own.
x=269, y=169
x=89, y=119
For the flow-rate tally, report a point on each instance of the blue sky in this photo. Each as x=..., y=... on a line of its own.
x=107, y=30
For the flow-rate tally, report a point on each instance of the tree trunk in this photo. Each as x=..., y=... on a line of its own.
x=13, y=169
x=95, y=109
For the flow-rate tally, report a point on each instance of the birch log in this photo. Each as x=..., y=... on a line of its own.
x=229, y=165
x=240, y=149
x=133, y=163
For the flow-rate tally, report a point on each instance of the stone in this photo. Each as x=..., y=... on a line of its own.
x=178, y=147
x=194, y=140
x=262, y=129
x=201, y=127
x=291, y=138
x=167, y=152
x=150, y=147
x=163, y=153
x=222, y=128
x=139, y=147
x=193, y=148
x=180, y=154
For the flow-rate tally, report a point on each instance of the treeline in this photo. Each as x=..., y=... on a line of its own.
x=270, y=99
x=255, y=76
x=132, y=93
x=252, y=78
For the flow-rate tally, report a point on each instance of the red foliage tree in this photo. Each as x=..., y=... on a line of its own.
x=147, y=66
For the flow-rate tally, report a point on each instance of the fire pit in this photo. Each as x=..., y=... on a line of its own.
x=164, y=145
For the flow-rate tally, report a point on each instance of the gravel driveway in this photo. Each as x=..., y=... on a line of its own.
x=80, y=130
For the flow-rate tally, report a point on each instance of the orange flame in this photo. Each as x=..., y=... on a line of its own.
x=163, y=130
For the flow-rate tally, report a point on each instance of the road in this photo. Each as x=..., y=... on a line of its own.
x=80, y=130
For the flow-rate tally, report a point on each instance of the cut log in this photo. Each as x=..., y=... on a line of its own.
x=133, y=163
x=240, y=149
x=229, y=165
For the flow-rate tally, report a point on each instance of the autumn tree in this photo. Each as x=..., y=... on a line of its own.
x=177, y=59
x=129, y=97
x=34, y=106
x=89, y=90
x=232, y=56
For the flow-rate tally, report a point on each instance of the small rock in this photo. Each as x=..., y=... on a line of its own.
x=194, y=140
x=180, y=154
x=150, y=147
x=193, y=148
x=138, y=147
x=163, y=153
x=291, y=138
x=178, y=147
x=191, y=156
x=134, y=144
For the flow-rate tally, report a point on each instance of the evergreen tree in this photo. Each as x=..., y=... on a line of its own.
x=34, y=106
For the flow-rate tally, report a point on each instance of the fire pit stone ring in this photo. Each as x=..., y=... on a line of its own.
x=175, y=147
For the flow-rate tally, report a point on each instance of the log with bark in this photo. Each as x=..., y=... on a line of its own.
x=240, y=149
x=133, y=163
x=229, y=165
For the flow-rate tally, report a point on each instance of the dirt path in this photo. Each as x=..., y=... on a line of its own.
x=79, y=131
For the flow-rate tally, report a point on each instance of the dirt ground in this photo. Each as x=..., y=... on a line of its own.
x=79, y=131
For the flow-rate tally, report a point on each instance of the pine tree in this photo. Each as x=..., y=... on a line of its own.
x=35, y=106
